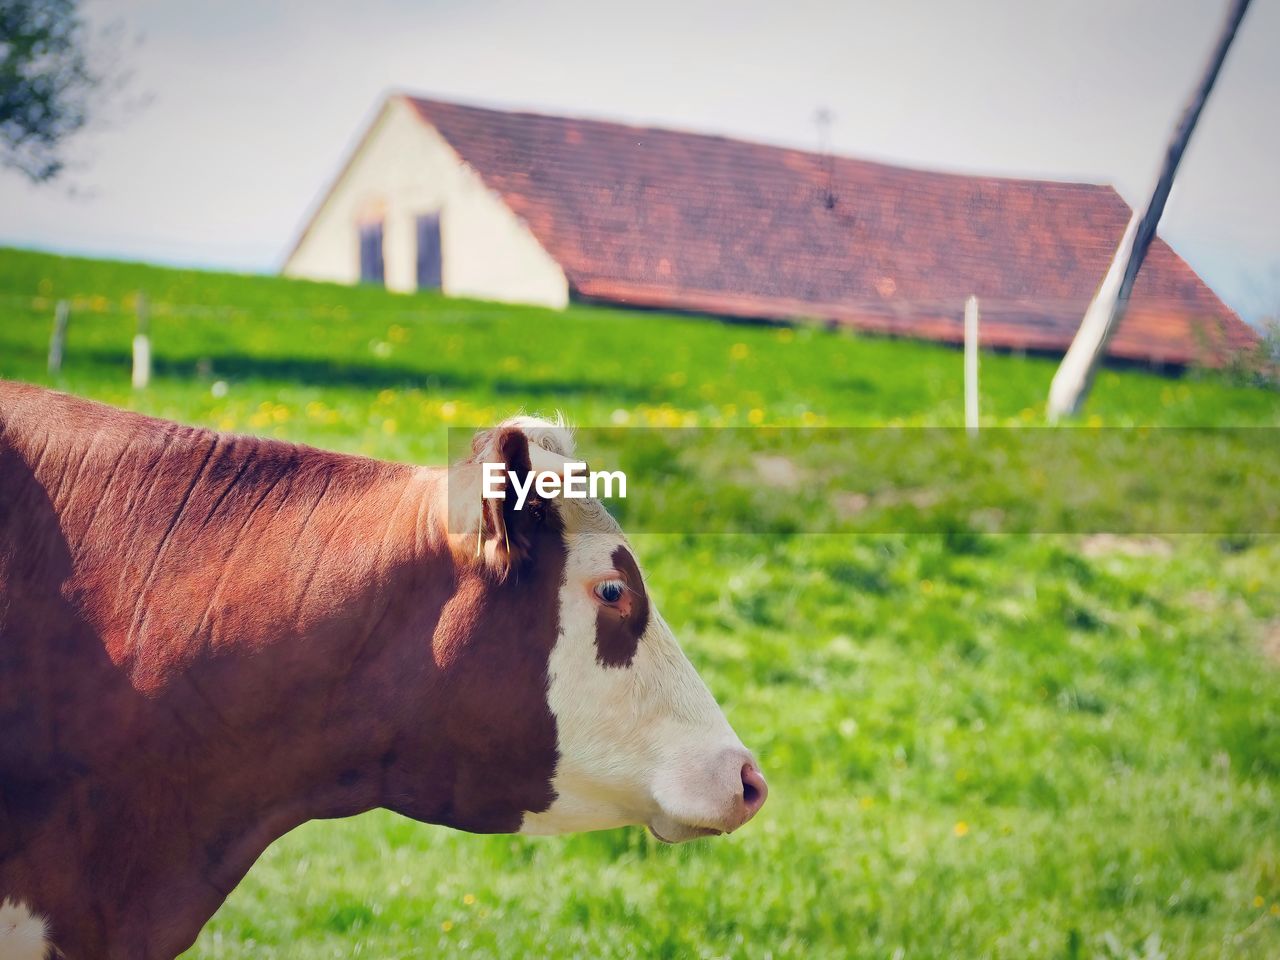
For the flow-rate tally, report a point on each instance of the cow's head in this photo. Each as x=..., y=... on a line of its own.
x=634, y=735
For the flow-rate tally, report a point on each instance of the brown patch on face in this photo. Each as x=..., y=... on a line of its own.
x=619, y=629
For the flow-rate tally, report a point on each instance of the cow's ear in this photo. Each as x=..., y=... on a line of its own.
x=507, y=536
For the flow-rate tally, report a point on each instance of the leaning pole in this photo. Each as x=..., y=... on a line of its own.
x=1074, y=378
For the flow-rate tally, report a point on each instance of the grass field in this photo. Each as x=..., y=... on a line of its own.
x=1009, y=747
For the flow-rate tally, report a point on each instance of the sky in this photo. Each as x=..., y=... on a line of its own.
x=252, y=105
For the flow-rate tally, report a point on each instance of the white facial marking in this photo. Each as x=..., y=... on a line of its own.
x=643, y=743
x=22, y=933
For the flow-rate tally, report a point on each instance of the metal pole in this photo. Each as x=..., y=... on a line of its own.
x=1074, y=378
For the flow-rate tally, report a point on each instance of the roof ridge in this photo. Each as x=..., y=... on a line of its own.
x=742, y=140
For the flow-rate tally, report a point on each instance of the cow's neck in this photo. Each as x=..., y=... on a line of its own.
x=321, y=704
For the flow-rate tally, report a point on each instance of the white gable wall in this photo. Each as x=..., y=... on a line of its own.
x=401, y=170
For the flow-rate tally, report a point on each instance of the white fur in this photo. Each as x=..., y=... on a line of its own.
x=22, y=933
x=641, y=744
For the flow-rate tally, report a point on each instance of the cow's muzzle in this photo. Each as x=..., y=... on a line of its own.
x=746, y=795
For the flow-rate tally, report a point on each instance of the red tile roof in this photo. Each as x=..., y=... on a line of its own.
x=683, y=221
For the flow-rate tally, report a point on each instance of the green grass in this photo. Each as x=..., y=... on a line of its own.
x=977, y=746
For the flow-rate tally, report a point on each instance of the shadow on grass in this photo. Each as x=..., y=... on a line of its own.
x=321, y=372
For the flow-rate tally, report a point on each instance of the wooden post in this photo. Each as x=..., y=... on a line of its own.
x=142, y=347
x=971, y=366
x=58, y=337
x=1074, y=378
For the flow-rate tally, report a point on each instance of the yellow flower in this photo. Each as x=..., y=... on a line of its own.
x=1258, y=901
x=469, y=899
x=756, y=416
x=926, y=586
x=960, y=829
x=1275, y=909
x=388, y=426
x=867, y=802
x=447, y=926
x=227, y=423
x=739, y=351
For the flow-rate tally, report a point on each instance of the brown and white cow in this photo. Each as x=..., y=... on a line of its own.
x=206, y=640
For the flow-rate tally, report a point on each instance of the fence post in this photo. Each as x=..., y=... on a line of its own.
x=58, y=337
x=971, y=366
x=142, y=347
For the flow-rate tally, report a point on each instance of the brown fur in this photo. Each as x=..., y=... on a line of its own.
x=206, y=640
x=619, y=629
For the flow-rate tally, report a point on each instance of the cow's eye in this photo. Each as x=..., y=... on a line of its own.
x=610, y=591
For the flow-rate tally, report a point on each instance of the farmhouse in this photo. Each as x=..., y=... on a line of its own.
x=541, y=209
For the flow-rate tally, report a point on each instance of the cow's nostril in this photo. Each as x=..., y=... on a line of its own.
x=754, y=789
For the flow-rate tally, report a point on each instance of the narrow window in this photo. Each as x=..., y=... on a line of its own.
x=429, y=267
x=371, y=252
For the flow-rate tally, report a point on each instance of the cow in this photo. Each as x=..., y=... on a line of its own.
x=208, y=639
